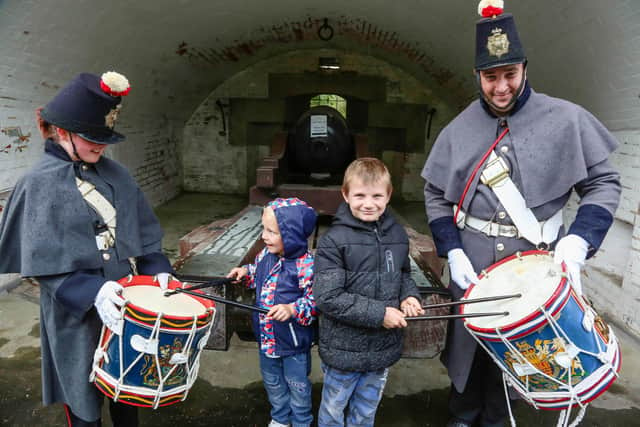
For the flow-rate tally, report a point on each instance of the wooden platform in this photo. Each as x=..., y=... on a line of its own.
x=214, y=249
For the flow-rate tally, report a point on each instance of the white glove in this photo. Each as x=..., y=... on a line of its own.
x=107, y=299
x=572, y=249
x=462, y=271
x=163, y=280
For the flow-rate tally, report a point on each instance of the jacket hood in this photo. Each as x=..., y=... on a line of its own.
x=344, y=216
x=296, y=220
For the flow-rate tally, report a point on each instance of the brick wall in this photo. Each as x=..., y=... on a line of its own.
x=612, y=276
x=589, y=53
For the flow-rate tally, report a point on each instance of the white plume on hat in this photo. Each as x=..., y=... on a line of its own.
x=116, y=82
x=498, y=4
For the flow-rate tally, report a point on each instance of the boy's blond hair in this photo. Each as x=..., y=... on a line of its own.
x=369, y=170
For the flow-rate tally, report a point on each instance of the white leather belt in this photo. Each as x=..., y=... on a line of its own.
x=106, y=239
x=548, y=228
x=490, y=228
x=102, y=207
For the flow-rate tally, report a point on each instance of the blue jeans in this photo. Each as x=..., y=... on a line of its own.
x=286, y=380
x=357, y=392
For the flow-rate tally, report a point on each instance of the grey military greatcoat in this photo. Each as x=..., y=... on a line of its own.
x=48, y=232
x=552, y=148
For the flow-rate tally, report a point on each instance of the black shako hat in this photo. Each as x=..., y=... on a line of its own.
x=497, y=40
x=89, y=105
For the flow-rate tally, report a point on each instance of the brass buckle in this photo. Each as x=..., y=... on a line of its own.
x=495, y=172
x=507, y=230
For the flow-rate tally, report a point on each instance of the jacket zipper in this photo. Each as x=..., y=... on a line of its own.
x=293, y=335
x=388, y=256
x=375, y=231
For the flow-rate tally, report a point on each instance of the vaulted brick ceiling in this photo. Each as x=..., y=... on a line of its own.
x=175, y=52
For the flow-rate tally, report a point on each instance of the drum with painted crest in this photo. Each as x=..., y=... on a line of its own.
x=552, y=347
x=154, y=359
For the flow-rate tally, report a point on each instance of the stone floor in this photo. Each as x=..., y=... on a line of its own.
x=229, y=391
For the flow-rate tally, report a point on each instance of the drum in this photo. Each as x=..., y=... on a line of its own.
x=552, y=347
x=154, y=359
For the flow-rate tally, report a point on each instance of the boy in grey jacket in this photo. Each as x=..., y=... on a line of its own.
x=363, y=291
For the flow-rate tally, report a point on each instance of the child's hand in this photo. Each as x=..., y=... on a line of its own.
x=237, y=273
x=281, y=312
x=411, y=307
x=393, y=318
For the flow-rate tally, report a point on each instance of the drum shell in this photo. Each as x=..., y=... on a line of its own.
x=541, y=338
x=138, y=370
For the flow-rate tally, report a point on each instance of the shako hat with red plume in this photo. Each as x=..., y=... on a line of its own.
x=497, y=39
x=89, y=105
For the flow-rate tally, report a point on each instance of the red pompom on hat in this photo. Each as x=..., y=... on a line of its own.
x=489, y=8
x=114, y=84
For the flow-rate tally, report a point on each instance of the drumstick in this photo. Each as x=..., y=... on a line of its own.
x=214, y=280
x=470, y=301
x=221, y=281
x=218, y=299
x=457, y=316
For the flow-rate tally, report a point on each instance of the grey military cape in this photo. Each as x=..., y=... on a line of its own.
x=47, y=232
x=47, y=227
x=552, y=147
x=555, y=142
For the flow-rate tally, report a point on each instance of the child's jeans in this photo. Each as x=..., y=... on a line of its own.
x=286, y=380
x=357, y=392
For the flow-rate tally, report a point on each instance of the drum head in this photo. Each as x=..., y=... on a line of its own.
x=532, y=274
x=152, y=298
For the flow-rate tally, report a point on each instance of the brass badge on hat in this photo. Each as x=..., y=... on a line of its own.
x=497, y=43
x=112, y=116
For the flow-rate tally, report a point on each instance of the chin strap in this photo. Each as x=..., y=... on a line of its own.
x=75, y=152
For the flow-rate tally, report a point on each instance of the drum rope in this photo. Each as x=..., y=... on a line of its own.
x=187, y=347
x=565, y=414
x=606, y=357
x=114, y=378
x=516, y=353
x=506, y=378
x=161, y=379
x=121, y=385
x=200, y=345
x=116, y=390
x=506, y=396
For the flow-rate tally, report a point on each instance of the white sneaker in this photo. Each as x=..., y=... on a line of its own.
x=274, y=423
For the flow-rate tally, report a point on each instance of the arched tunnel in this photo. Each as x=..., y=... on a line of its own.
x=214, y=84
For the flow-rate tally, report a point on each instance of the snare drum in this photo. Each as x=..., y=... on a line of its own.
x=154, y=360
x=553, y=348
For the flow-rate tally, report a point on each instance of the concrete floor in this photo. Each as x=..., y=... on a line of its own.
x=229, y=390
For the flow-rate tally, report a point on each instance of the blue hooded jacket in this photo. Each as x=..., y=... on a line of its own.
x=292, y=273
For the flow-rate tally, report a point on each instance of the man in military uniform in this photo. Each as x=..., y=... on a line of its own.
x=487, y=201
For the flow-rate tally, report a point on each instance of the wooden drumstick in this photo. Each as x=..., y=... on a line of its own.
x=457, y=316
x=218, y=299
x=470, y=301
x=219, y=282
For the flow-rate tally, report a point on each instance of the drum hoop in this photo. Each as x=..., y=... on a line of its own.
x=142, y=280
x=138, y=396
x=147, y=318
x=560, y=288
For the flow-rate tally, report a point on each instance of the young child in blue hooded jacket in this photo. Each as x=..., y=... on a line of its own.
x=282, y=274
